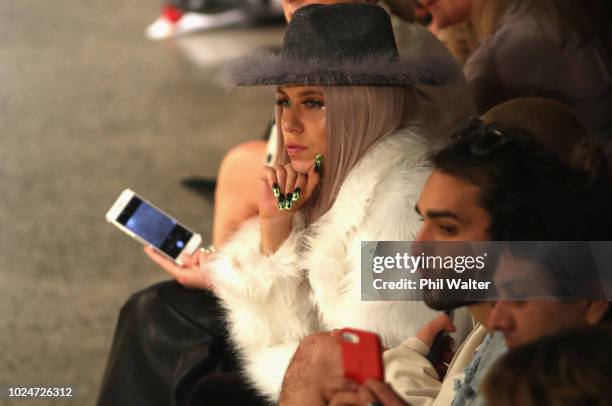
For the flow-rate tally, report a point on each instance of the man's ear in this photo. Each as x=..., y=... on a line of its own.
x=596, y=311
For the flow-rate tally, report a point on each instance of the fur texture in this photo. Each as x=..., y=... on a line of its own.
x=312, y=282
x=271, y=69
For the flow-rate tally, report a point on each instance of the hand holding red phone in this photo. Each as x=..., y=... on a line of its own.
x=362, y=384
x=372, y=392
x=361, y=355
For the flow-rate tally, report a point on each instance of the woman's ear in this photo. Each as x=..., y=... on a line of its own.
x=596, y=311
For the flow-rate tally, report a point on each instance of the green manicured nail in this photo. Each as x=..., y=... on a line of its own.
x=318, y=163
x=276, y=190
x=297, y=194
x=287, y=204
x=281, y=201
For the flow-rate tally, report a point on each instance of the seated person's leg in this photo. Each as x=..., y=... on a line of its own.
x=175, y=334
x=223, y=390
x=236, y=197
x=317, y=359
x=163, y=333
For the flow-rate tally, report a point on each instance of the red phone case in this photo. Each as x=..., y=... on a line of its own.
x=361, y=354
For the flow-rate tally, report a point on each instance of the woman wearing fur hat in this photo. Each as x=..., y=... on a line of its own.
x=350, y=166
x=366, y=190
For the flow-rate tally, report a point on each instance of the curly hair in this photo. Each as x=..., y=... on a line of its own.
x=549, y=182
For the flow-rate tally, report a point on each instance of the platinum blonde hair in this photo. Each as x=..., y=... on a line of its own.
x=357, y=117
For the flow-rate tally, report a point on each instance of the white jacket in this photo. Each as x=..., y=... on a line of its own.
x=416, y=380
x=312, y=283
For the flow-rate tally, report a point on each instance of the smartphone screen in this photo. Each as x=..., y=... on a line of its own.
x=158, y=229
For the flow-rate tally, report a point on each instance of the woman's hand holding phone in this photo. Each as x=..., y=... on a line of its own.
x=283, y=192
x=190, y=273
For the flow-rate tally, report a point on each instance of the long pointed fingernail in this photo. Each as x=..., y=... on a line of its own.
x=276, y=190
x=289, y=196
x=281, y=201
x=297, y=194
x=318, y=163
x=287, y=204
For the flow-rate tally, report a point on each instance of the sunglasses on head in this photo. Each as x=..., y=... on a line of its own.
x=486, y=138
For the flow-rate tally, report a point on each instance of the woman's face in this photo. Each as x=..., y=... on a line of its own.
x=448, y=12
x=289, y=6
x=302, y=123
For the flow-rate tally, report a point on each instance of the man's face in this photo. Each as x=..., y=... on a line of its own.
x=451, y=211
x=524, y=321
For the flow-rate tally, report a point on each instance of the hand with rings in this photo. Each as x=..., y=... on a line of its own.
x=191, y=273
x=283, y=192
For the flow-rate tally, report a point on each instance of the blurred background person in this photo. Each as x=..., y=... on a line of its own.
x=559, y=49
x=179, y=17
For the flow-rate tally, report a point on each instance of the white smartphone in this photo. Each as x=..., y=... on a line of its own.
x=151, y=226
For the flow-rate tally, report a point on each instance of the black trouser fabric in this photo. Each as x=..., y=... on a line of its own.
x=171, y=345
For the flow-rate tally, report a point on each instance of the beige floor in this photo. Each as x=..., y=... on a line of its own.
x=88, y=107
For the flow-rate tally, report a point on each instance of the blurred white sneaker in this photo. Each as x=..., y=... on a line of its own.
x=174, y=22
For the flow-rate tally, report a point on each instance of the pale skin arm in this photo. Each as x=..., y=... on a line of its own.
x=237, y=192
x=189, y=274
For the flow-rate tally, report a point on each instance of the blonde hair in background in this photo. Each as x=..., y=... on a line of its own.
x=357, y=117
x=571, y=17
x=460, y=39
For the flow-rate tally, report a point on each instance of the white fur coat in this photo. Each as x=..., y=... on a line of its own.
x=312, y=282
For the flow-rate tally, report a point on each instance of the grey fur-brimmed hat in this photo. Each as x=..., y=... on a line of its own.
x=339, y=45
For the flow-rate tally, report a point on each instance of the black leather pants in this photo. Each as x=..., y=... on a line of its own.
x=171, y=349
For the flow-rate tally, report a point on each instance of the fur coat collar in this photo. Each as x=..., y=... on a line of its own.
x=313, y=281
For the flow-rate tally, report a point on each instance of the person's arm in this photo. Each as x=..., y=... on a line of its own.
x=259, y=278
x=409, y=371
x=518, y=60
x=237, y=191
x=283, y=192
x=266, y=298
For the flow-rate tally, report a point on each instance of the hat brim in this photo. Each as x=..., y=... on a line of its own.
x=271, y=69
